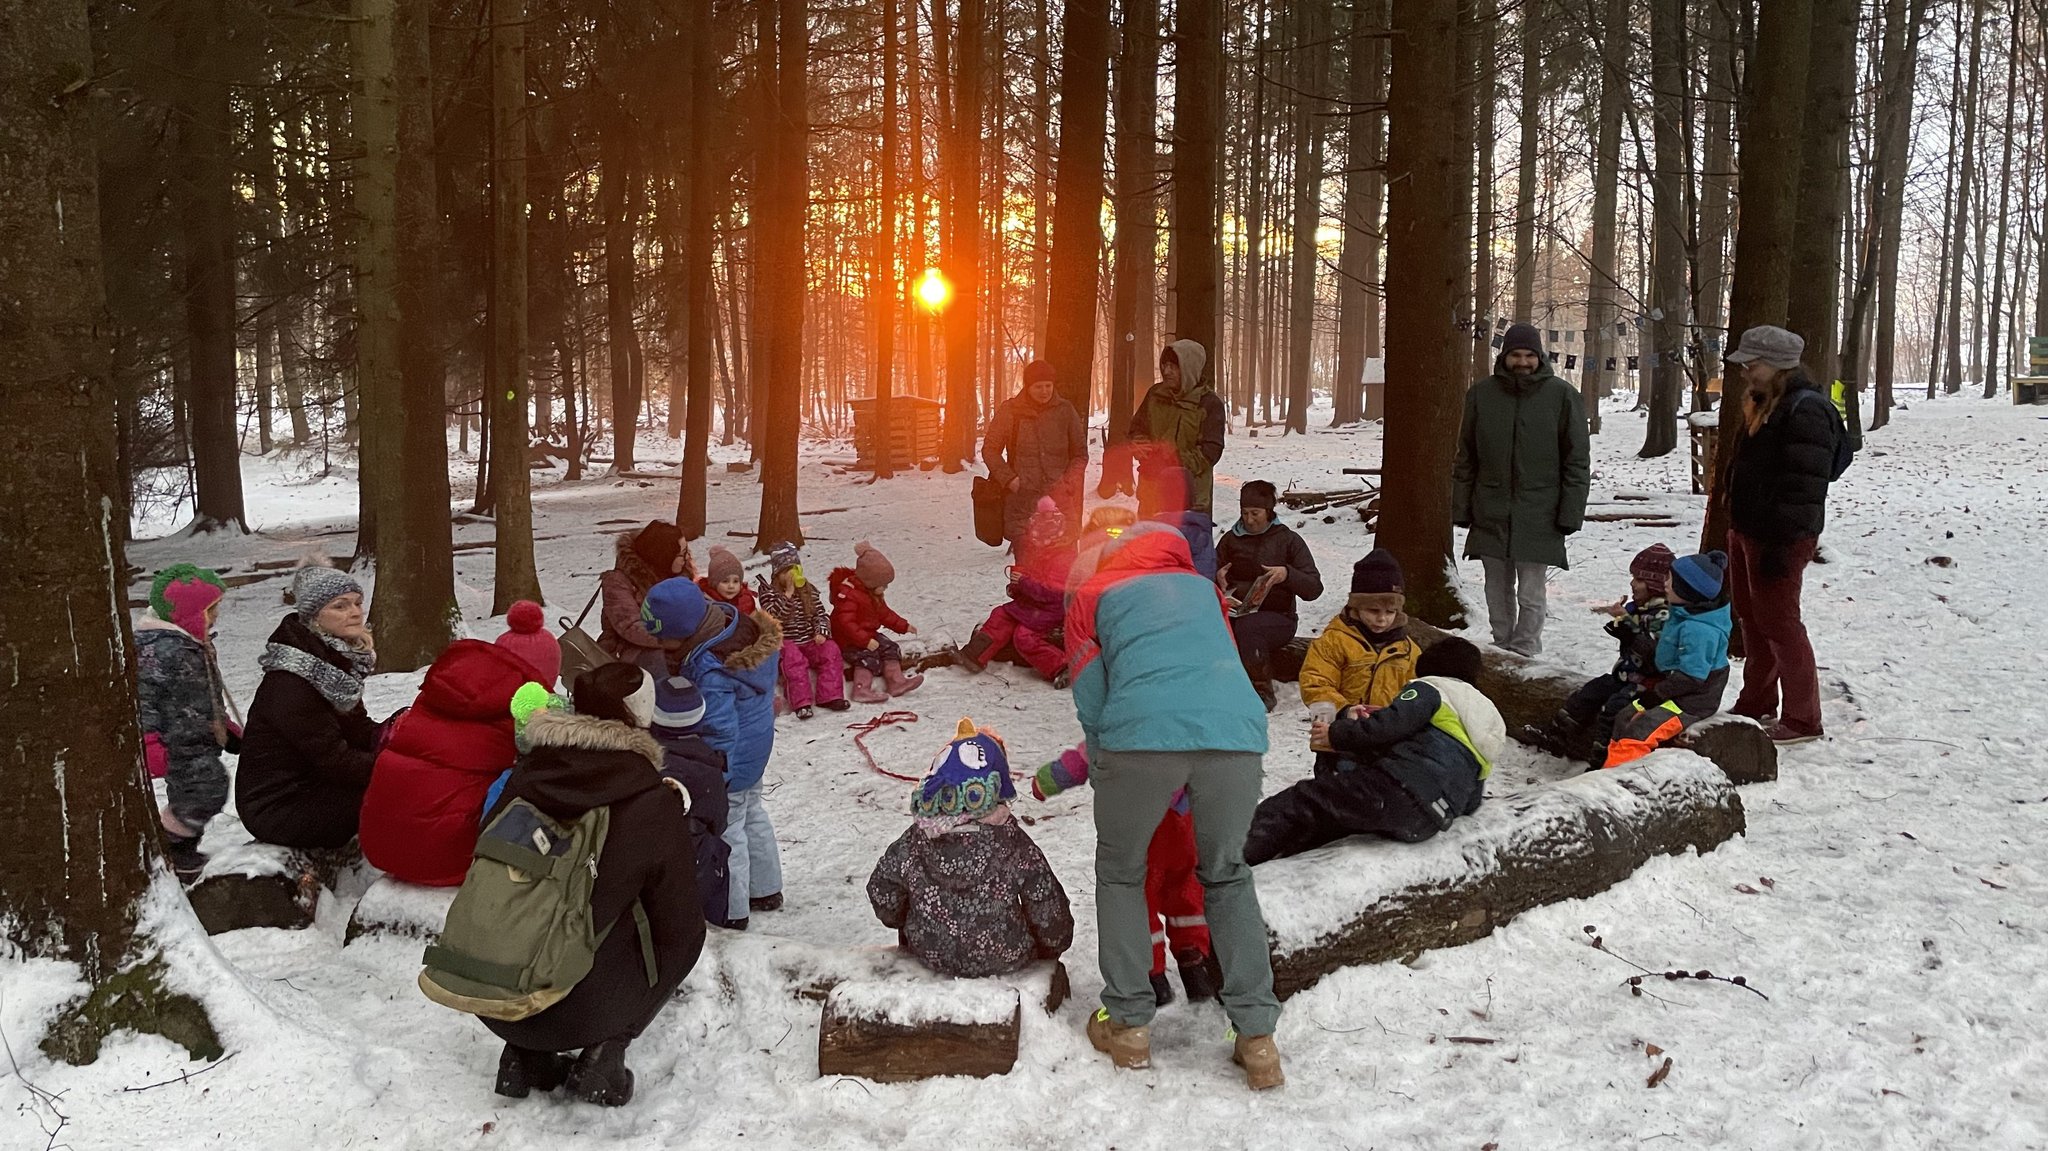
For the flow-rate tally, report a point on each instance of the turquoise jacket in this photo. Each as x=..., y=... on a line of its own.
x=1167, y=676
x=1694, y=642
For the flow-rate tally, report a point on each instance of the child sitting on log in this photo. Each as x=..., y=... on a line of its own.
x=808, y=654
x=1364, y=657
x=1582, y=728
x=1691, y=670
x=967, y=891
x=859, y=614
x=1406, y=771
x=725, y=580
x=1030, y=618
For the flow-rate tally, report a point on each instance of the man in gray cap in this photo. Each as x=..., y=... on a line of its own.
x=1519, y=483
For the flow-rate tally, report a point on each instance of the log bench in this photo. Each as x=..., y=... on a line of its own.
x=1528, y=697
x=250, y=884
x=904, y=1029
x=1368, y=900
x=393, y=909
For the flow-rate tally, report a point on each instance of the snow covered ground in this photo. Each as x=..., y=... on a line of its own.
x=1890, y=898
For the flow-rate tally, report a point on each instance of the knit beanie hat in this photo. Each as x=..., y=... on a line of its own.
x=1698, y=578
x=721, y=565
x=1258, y=494
x=1377, y=583
x=657, y=545
x=678, y=705
x=181, y=593
x=617, y=691
x=1521, y=338
x=1036, y=371
x=1652, y=564
x=530, y=700
x=1451, y=657
x=968, y=780
x=785, y=557
x=527, y=636
x=317, y=585
x=673, y=609
x=873, y=568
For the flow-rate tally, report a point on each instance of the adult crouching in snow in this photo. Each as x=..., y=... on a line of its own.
x=642, y=559
x=1164, y=707
x=310, y=747
x=1264, y=567
x=420, y=816
x=601, y=755
x=1179, y=424
x=1036, y=447
x=186, y=716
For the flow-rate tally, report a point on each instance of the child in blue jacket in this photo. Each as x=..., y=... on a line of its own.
x=734, y=660
x=1692, y=662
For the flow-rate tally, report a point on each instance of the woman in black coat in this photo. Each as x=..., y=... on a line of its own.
x=600, y=756
x=309, y=744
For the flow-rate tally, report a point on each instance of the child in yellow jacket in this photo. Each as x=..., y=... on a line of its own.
x=1364, y=657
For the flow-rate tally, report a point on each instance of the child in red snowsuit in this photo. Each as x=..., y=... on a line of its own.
x=1173, y=893
x=1031, y=618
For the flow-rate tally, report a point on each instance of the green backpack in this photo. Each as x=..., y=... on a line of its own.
x=519, y=935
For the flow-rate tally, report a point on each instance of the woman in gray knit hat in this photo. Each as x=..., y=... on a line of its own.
x=309, y=744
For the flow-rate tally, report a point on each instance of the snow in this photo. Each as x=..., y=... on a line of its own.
x=409, y=910
x=1888, y=897
x=909, y=1003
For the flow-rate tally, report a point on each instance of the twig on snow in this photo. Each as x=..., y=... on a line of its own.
x=182, y=1076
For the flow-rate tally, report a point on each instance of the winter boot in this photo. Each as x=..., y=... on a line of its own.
x=840, y=704
x=864, y=690
x=805, y=712
x=1063, y=680
x=1260, y=1060
x=520, y=1071
x=974, y=657
x=739, y=924
x=1162, y=991
x=182, y=852
x=899, y=683
x=1201, y=974
x=1127, y=1047
x=601, y=1076
x=765, y=902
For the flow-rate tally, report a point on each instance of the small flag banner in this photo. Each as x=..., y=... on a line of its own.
x=1500, y=323
x=1571, y=363
x=1632, y=364
x=1496, y=341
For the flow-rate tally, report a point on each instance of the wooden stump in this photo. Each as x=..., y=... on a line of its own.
x=398, y=910
x=263, y=885
x=1529, y=697
x=1368, y=900
x=898, y=1031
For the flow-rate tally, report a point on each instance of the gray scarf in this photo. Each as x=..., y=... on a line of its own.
x=343, y=690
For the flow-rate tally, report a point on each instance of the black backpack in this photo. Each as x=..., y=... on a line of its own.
x=1845, y=452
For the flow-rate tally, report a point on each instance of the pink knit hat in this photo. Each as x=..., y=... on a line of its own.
x=873, y=568
x=527, y=637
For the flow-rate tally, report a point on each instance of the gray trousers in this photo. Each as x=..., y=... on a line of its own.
x=1516, y=603
x=1132, y=791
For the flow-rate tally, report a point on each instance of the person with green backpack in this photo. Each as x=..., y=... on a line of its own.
x=580, y=915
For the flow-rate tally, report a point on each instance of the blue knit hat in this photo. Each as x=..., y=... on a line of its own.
x=1698, y=578
x=968, y=780
x=677, y=703
x=673, y=609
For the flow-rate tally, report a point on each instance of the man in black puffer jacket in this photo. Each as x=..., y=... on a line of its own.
x=1777, y=506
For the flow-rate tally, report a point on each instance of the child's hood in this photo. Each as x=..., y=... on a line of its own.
x=965, y=860
x=1480, y=718
x=1720, y=617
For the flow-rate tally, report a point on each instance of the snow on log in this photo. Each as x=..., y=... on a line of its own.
x=250, y=884
x=394, y=909
x=1367, y=900
x=1529, y=696
x=900, y=1030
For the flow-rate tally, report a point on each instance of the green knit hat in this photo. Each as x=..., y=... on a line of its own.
x=530, y=700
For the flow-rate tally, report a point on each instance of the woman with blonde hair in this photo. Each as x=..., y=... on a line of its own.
x=1777, y=504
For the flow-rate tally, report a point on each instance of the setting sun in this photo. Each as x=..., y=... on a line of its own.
x=933, y=290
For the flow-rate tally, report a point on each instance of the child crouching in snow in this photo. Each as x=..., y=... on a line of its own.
x=859, y=613
x=807, y=647
x=967, y=891
x=1037, y=607
x=1408, y=770
x=1173, y=892
x=1691, y=663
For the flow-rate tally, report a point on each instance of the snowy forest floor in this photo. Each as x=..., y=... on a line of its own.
x=1890, y=897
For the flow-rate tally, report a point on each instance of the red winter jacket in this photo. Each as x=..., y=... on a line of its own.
x=857, y=613
x=427, y=789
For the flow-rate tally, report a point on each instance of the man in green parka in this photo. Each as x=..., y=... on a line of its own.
x=1179, y=424
x=1520, y=483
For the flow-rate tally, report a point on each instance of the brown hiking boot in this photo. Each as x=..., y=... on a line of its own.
x=1260, y=1060
x=1127, y=1047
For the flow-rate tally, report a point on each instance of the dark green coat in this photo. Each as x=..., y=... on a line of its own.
x=1523, y=467
x=1189, y=420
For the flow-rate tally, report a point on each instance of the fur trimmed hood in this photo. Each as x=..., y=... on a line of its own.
x=767, y=643
x=567, y=730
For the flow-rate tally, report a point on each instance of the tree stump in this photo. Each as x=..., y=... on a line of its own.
x=1528, y=697
x=1368, y=900
x=898, y=1031
x=398, y=910
x=263, y=885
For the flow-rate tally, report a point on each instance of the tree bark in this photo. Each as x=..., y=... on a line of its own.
x=1425, y=357
x=1813, y=307
x=1313, y=33
x=1717, y=179
x=707, y=192
x=1994, y=349
x=1485, y=217
x=1604, y=305
x=1672, y=230
x=1358, y=267
x=784, y=202
x=887, y=289
x=615, y=196
x=961, y=160
x=1077, y=221
x=1903, y=24
x=1197, y=131
x=514, y=576
x=1525, y=198
x=1137, y=232
x=1966, y=163
x=78, y=841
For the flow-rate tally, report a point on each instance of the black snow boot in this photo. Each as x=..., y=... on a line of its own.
x=765, y=902
x=521, y=1071
x=182, y=853
x=601, y=1076
x=975, y=655
x=1162, y=991
x=1199, y=973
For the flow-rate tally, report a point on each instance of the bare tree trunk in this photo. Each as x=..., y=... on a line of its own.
x=1895, y=127
x=886, y=292
x=1137, y=233
x=963, y=241
x=1603, y=307
x=1312, y=35
x=1813, y=308
x=1077, y=225
x=514, y=575
x=1252, y=323
x=616, y=179
x=1668, y=303
x=1197, y=130
x=1358, y=273
x=1966, y=163
x=1717, y=180
x=1486, y=120
x=1525, y=201
x=783, y=202
x=1994, y=350
x=1424, y=250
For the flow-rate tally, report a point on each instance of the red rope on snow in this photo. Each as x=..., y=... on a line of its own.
x=868, y=727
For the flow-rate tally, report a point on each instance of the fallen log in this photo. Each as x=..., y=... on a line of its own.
x=897, y=1031
x=1368, y=900
x=262, y=885
x=1528, y=697
x=394, y=909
